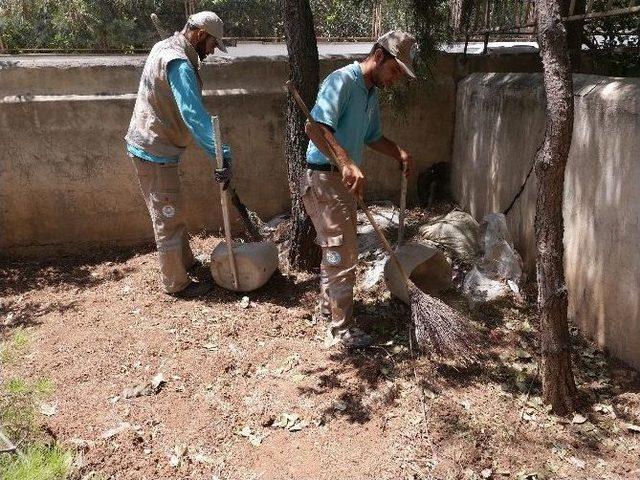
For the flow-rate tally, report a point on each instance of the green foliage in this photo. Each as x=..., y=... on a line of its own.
x=431, y=22
x=125, y=24
x=38, y=462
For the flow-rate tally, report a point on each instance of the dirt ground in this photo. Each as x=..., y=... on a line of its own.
x=99, y=325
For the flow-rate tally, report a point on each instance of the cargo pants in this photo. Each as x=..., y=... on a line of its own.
x=333, y=212
x=160, y=185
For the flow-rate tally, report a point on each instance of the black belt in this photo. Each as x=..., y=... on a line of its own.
x=323, y=167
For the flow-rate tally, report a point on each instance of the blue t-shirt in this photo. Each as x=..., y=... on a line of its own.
x=186, y=93
x=350, y=109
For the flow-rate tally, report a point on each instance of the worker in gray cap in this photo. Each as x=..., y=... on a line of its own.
x=347, y=107
x=169, y=113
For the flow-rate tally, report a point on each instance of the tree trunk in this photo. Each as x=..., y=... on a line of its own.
x=304, y=66
x=557, y=376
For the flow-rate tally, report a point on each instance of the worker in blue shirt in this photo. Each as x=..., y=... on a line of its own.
x=168, y=114
x=348, y=113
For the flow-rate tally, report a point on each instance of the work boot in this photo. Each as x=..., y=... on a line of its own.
x=193, y=290
x=350, y=339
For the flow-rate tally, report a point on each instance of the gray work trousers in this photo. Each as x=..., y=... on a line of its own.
x=333, y=211
x=160, y=185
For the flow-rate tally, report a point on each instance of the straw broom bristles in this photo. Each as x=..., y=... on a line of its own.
x=440, y=330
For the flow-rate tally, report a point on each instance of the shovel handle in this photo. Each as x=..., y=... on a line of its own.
x=361, y=204
x=403, y=204
x=224, y=200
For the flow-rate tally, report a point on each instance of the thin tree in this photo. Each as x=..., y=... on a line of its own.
x=557, y=376
x=304, y=66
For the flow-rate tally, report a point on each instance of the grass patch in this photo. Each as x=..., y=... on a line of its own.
x=14, y=348
x=19, y=402
x=37, y=462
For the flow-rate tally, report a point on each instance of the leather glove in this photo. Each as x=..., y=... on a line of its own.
x=224, y=175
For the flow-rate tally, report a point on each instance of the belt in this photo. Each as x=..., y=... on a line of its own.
x=322, y=167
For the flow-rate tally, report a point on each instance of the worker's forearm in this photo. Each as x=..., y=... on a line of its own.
x=322, y=138
x=387, y=147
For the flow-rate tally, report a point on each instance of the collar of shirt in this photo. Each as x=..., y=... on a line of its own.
x=357, y=71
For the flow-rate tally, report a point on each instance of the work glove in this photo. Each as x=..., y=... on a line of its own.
x=223, y=175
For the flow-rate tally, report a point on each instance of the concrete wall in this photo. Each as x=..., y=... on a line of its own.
x=66, y=183
x=499, y=125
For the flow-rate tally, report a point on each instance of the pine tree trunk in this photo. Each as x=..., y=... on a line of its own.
x=304, y=65
x=557, y=376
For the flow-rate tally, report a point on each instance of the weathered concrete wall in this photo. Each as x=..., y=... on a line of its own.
x=66, y=182
x=499, y=125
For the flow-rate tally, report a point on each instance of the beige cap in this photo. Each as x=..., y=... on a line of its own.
x=210, y=23
x=403, y=47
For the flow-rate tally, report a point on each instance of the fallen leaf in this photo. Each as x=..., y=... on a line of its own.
x=151, y=387
x=288, y=364
x=576, y=462
x=255, y=440
x=157, y=382
x=528, y=416
x=112, y=432
x=486, y=473
x=248, y=433
x=298, y=426
x=604, y=409
x=245, y=432
x=48, y=409
x=523, y=354
x=578, y=419
x=633, y=428
x=340, y=405
x=201, y=458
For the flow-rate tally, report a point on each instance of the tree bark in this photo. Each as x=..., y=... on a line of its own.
x=557, y=376
x=304, y=66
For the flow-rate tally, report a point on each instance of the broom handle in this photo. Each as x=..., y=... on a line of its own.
x=224, y=200
x=361, y=204
x=403, y=204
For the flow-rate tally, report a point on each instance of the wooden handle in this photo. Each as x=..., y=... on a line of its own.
x=361, y=204
x=224, y=200
x=403, y=205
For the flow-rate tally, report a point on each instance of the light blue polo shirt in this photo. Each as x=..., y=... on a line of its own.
x=352, y=110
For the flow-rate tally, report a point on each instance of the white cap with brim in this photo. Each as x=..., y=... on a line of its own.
x=403, y=47
x=210, y=23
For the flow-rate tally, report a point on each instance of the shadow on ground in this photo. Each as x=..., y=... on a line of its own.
x=21, y=276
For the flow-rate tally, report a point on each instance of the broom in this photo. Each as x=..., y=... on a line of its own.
x=439, y=329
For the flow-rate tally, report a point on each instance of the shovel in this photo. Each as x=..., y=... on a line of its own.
x=241, y=267
x=426, y=266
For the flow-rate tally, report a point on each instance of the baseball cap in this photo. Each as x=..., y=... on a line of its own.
x=403, y=47
x=210, y=23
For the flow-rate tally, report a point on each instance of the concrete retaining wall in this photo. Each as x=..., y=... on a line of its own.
x=499, y=125
x=65, y=181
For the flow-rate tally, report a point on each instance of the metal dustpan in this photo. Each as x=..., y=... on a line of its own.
x=255, y=263
x=426, y=266
x=241, y=267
